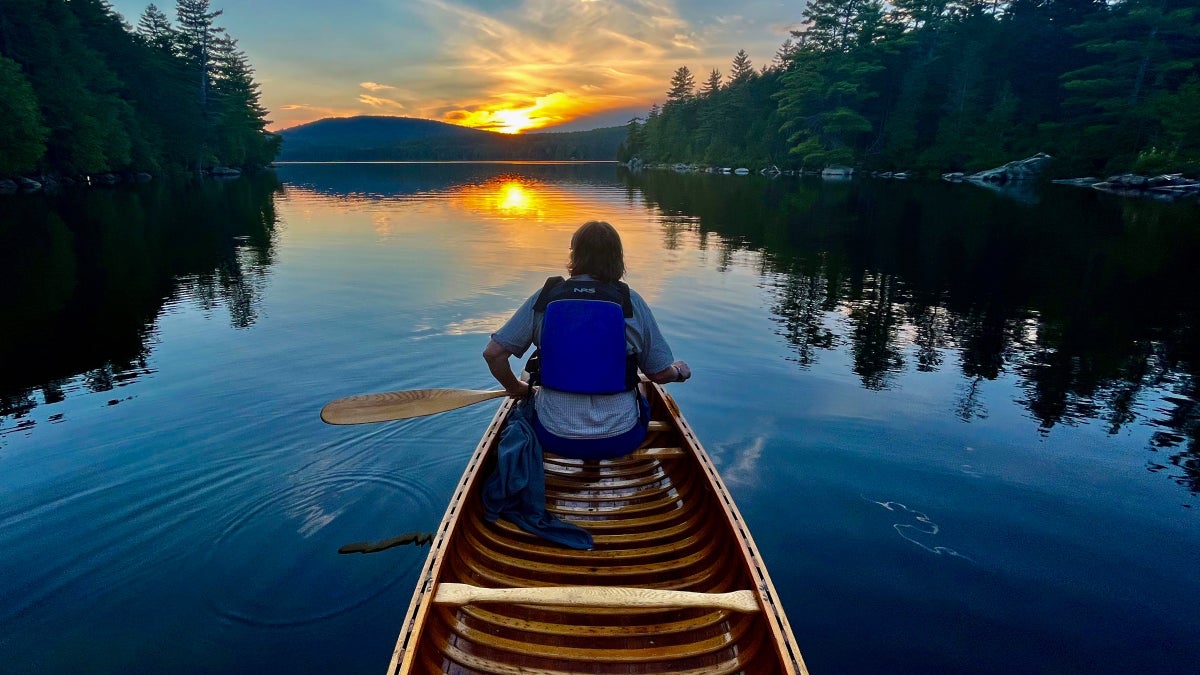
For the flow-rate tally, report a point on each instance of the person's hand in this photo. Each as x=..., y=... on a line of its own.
x=685, y=373
x=522, y=390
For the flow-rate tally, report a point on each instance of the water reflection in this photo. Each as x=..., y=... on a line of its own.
x=1086, y=299
x=86, y=275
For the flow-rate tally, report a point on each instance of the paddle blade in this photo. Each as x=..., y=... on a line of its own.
x=400, y=405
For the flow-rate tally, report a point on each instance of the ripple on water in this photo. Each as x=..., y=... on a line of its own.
x=276, y=564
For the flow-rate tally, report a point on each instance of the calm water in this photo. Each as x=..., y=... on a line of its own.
x=962, y=424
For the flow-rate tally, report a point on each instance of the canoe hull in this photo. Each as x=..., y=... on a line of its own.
x=661, y=519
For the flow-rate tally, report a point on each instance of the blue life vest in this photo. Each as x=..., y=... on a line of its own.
x=583, y=347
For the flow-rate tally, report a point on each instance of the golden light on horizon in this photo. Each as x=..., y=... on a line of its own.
x=504, y=121
x=515, y=117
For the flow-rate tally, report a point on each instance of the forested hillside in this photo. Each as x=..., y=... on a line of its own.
x=949, y=85
x=86, y=93
x=370, y=138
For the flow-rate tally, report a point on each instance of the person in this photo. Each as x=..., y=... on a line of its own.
x=592, y=334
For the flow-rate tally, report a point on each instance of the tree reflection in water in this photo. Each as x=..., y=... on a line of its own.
x=82, y=300
x=1087, y=300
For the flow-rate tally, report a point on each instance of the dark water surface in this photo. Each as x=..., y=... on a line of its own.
x=963, y=425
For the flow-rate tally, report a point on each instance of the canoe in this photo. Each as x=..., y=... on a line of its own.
x=674, y=583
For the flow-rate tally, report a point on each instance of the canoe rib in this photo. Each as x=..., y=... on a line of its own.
x=662, y=521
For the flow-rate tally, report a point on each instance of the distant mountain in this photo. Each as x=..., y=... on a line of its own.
x=372, y=138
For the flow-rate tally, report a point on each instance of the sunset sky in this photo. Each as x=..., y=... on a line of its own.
x=505, y=65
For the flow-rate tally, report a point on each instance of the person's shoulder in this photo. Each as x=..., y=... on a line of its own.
x=637, y=300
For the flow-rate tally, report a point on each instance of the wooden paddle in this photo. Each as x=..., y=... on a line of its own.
x=401, y=405
x=595, y=596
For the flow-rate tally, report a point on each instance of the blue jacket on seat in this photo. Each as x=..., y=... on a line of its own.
x=516, y=490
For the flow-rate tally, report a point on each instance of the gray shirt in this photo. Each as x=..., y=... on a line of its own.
x=571, y=415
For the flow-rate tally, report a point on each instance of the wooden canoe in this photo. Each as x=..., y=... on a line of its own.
x=662, y=521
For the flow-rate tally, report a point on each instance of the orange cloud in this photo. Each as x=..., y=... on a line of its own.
x=378, y=102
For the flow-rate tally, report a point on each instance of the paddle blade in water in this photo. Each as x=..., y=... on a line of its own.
x=399, y=405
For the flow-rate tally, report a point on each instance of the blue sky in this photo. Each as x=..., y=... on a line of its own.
x=500, y=64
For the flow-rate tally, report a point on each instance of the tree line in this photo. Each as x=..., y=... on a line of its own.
x=84, y=92
x=1105, y=86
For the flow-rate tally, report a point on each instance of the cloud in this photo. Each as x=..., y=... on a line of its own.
x=569, y=58
x=380, y=103
x=454, y=59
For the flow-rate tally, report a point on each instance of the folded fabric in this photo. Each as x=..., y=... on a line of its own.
x=516, y=491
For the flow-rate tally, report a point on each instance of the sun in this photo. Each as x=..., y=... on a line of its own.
x=515, y=115
x=513, y=121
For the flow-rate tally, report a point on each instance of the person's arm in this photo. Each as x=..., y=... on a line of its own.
x=676, y=372
x=497, y=359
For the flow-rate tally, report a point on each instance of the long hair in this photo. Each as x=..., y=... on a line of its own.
x=596, y=251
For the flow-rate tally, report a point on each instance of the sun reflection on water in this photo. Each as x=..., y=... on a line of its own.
x=513, y=199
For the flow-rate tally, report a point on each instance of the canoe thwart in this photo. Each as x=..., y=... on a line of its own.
x=658, y=453
x=595, y=596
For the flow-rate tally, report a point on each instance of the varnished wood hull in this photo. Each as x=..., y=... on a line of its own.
x=660, y=519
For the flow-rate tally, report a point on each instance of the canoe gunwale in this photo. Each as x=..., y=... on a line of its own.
x=420, y=605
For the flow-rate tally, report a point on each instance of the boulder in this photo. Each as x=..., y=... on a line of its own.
x=225, y=171
x=1166, y=186
x=7, y=186
x=28, y=184
x=1025, y=169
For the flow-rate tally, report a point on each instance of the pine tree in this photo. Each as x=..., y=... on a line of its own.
x=240, y=118
x=683, y=86
x=634, y=143
x=712, y=85
x=742, y=69
x=822, y=95
x=196, y=37
x=155, y=28
x=1143, y=48
x=783, y=55
x=24, y=139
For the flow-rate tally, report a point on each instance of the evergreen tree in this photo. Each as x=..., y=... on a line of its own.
x=741, y=69
x=1145, y=48
x=822, y=94
x=712, y=85
x=110, y=97
x=634, y=143
x=943, y=85
x=155, y=28
x=23, y=141
x=783, y=55
x=683, y=86
x=195, y=39
x=240, y=120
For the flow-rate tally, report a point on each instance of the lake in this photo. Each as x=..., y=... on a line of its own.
x=962, y=423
